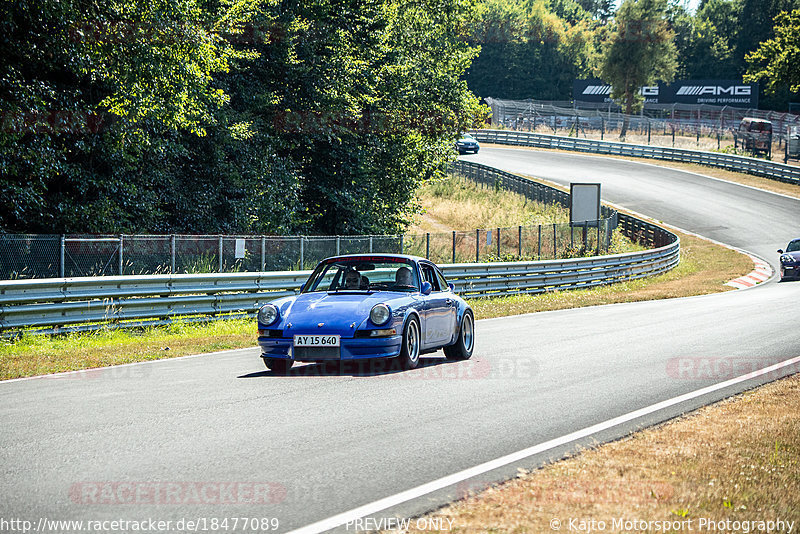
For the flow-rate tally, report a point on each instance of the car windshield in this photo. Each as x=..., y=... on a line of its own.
x=363, y=274
x=467, y=137
x=794, y=246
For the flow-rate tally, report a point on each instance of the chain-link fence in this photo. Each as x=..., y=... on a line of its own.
x=38, y=256
x=658, y=123
x=52, y=256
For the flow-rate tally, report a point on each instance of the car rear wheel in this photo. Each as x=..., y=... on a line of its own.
x=409, y=352
x=278, y=366
x=462, y=349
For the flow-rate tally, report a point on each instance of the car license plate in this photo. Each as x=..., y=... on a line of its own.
x=316, y=341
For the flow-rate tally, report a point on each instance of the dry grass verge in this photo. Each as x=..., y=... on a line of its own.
x=733, y=463
x=704, y=268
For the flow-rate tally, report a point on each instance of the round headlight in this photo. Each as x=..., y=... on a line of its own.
x=379, y=314
x=268, y=314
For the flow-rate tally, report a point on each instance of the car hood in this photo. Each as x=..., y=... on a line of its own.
x=335, y=311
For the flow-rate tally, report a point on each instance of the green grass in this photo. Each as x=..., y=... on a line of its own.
x=38, y=354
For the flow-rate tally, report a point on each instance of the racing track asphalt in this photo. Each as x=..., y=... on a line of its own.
x=334, y=443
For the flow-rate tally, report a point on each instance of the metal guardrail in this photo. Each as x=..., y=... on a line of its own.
x=754, y=166
x=133, y=300
x=61, y=304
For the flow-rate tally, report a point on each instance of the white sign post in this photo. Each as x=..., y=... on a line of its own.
x=584, y=208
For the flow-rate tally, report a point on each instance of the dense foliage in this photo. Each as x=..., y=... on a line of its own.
x=777, y=61
x=535, y=48
x=235, y=116
x=313, y=116
x=640, y=51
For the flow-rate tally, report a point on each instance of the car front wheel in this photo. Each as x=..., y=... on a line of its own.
x=462, y=349
x=409, y=352
x=278, y=366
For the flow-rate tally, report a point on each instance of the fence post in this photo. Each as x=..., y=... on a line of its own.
x=477, y=245
x=120, y=254
x=402, y=236
x=61, y=265
x=498, y=243
x=428, y=245
x=338, y=244
x=263, y=253
x=220, y=254
x=519, y=243
x=172, y=254
x=597, y=253
x=586, y=236
x=555, y=238
x=370, y=245
x=454, y=246
x=302, y=251
x=539, y=244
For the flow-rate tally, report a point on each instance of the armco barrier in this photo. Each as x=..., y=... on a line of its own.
x=754, y=166
x=56, y=304
x=119, y=299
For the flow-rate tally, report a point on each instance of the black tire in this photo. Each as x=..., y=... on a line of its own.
x=409, y=352
x=462, y=348
x=278, y=366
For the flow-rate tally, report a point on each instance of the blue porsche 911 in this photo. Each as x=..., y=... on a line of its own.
x=366, y=306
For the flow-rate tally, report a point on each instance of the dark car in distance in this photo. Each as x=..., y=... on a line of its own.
x=466, y=143
x=790, y=261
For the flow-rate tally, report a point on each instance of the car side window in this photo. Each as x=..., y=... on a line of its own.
x=442, y=281
x=430, y=276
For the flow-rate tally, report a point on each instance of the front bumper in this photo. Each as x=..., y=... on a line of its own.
x=790, y=271
x=350, y=349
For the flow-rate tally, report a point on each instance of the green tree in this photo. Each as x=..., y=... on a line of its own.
x=778, y=60
x=530, y=49
x=706, y=43
x=205, y=116
x=639, y=52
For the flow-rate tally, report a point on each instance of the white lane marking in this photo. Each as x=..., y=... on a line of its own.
x=424, y=489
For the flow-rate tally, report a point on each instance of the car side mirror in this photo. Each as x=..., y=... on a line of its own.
x=426, y=288
x=780, y=251
x=452, y=287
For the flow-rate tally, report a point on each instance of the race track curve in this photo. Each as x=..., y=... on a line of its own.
x=80, y=445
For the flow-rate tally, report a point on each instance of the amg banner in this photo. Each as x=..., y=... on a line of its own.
x=714, y=92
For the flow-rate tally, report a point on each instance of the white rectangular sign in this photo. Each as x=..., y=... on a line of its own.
x=584, y=202
x=240, y=249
